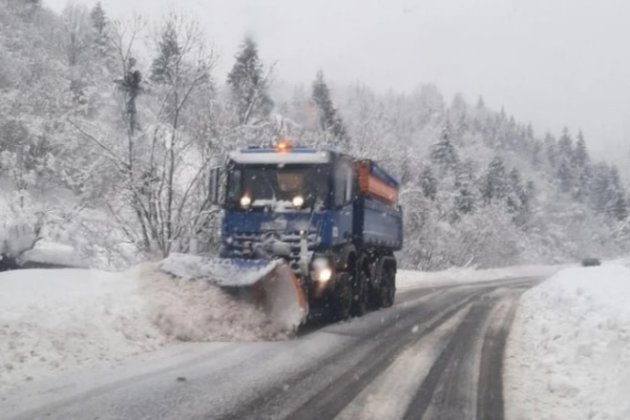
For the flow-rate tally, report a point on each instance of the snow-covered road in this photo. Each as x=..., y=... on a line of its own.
x=438, y=352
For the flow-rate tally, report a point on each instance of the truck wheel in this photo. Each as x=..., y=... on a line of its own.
x=342, y=300
x=388, y=288
x=360, y=290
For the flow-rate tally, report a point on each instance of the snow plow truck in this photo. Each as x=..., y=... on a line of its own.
x=303, y=231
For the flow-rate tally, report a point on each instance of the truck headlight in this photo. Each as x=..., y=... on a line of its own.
x=246, y=201
x=298, y=201
x=322, y=271
x=324, y=274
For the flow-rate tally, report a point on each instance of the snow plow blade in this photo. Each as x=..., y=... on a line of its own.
x=268, y=283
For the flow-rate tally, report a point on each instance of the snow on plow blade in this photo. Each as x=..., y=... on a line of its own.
x=269, y=283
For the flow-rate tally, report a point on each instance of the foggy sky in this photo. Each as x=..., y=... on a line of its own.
x=549, y=62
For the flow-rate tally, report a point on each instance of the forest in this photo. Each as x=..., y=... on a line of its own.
x=108, y=130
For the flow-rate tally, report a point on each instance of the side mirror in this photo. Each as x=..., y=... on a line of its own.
x=349, y=184
x=215, y=185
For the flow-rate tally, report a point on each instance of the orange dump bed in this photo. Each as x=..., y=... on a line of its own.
x=374, y=187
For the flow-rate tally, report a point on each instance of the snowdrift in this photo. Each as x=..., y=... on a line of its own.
x=198, y=311
x=406, y=279
x=53, y=254
x=56, y=320
x=568, y=353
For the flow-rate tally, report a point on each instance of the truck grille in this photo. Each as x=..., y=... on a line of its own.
x=244, y=243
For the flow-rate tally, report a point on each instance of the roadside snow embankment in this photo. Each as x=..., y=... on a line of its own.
x=45, y=252
x=409, y=279
x=59, y=320
x=568, y=352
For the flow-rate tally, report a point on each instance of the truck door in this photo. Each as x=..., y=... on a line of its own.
x=344, y=181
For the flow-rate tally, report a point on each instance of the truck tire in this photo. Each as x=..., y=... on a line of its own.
x=360, y=289
x=341, y=302
x=388, y=287
x=384, y=289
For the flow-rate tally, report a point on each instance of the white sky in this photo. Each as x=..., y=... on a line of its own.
x=551, y=62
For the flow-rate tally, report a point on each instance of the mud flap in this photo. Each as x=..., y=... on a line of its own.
x=268, y=283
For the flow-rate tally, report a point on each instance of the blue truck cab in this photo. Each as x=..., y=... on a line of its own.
x=313, y=209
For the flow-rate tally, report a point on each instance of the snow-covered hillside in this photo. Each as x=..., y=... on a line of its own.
x=89, y=153
x=568, y=353
x=57, y=320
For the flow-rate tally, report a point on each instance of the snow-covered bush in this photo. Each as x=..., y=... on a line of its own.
x=20, y=227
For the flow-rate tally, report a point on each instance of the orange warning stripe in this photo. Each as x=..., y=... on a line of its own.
x=374, y=187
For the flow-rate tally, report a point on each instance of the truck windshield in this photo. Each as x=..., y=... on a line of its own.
x=281, y=188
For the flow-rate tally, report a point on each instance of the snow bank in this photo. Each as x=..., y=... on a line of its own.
x=406, y=279
x=14, y=239
x=53, y=253
x=53, y=320
x=196, y=311
x=568, y=353
x=57, y=320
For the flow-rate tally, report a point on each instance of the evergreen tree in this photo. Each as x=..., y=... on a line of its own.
x=517, y=196
x=104, y=47
x=551, y=149
x=404, y=173
x=443, y=153
x=618, y=208
x=428, y=183
x=458, y=106
x=580, y=158
x=458, y=114
x=99, y=19
x=581, y=167
x=565, y=145
x=465, y=200
x=536, y=152
x=465, y=196
x=163, y=66
x=494, y=185
x=77, y=33
x=480, y=103
x=530, y=193
x=249, y=85
x=564, y=176
x=600, y=187
x=329, y=119
x=529, y=132
x=429, y=104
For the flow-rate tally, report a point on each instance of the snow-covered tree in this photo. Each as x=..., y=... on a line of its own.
x=99, y=18
x=466, y=192
x=330, y=122
x=428, y=183
x=495, y=181
x=249, y=82
x=443, y=153
x=166, y=64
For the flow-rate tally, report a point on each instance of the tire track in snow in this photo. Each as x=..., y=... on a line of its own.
x=340, y=369
x=490, y=400
x=389, y=395
x=465, y=380
x=344, y=381
x=331, y=400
